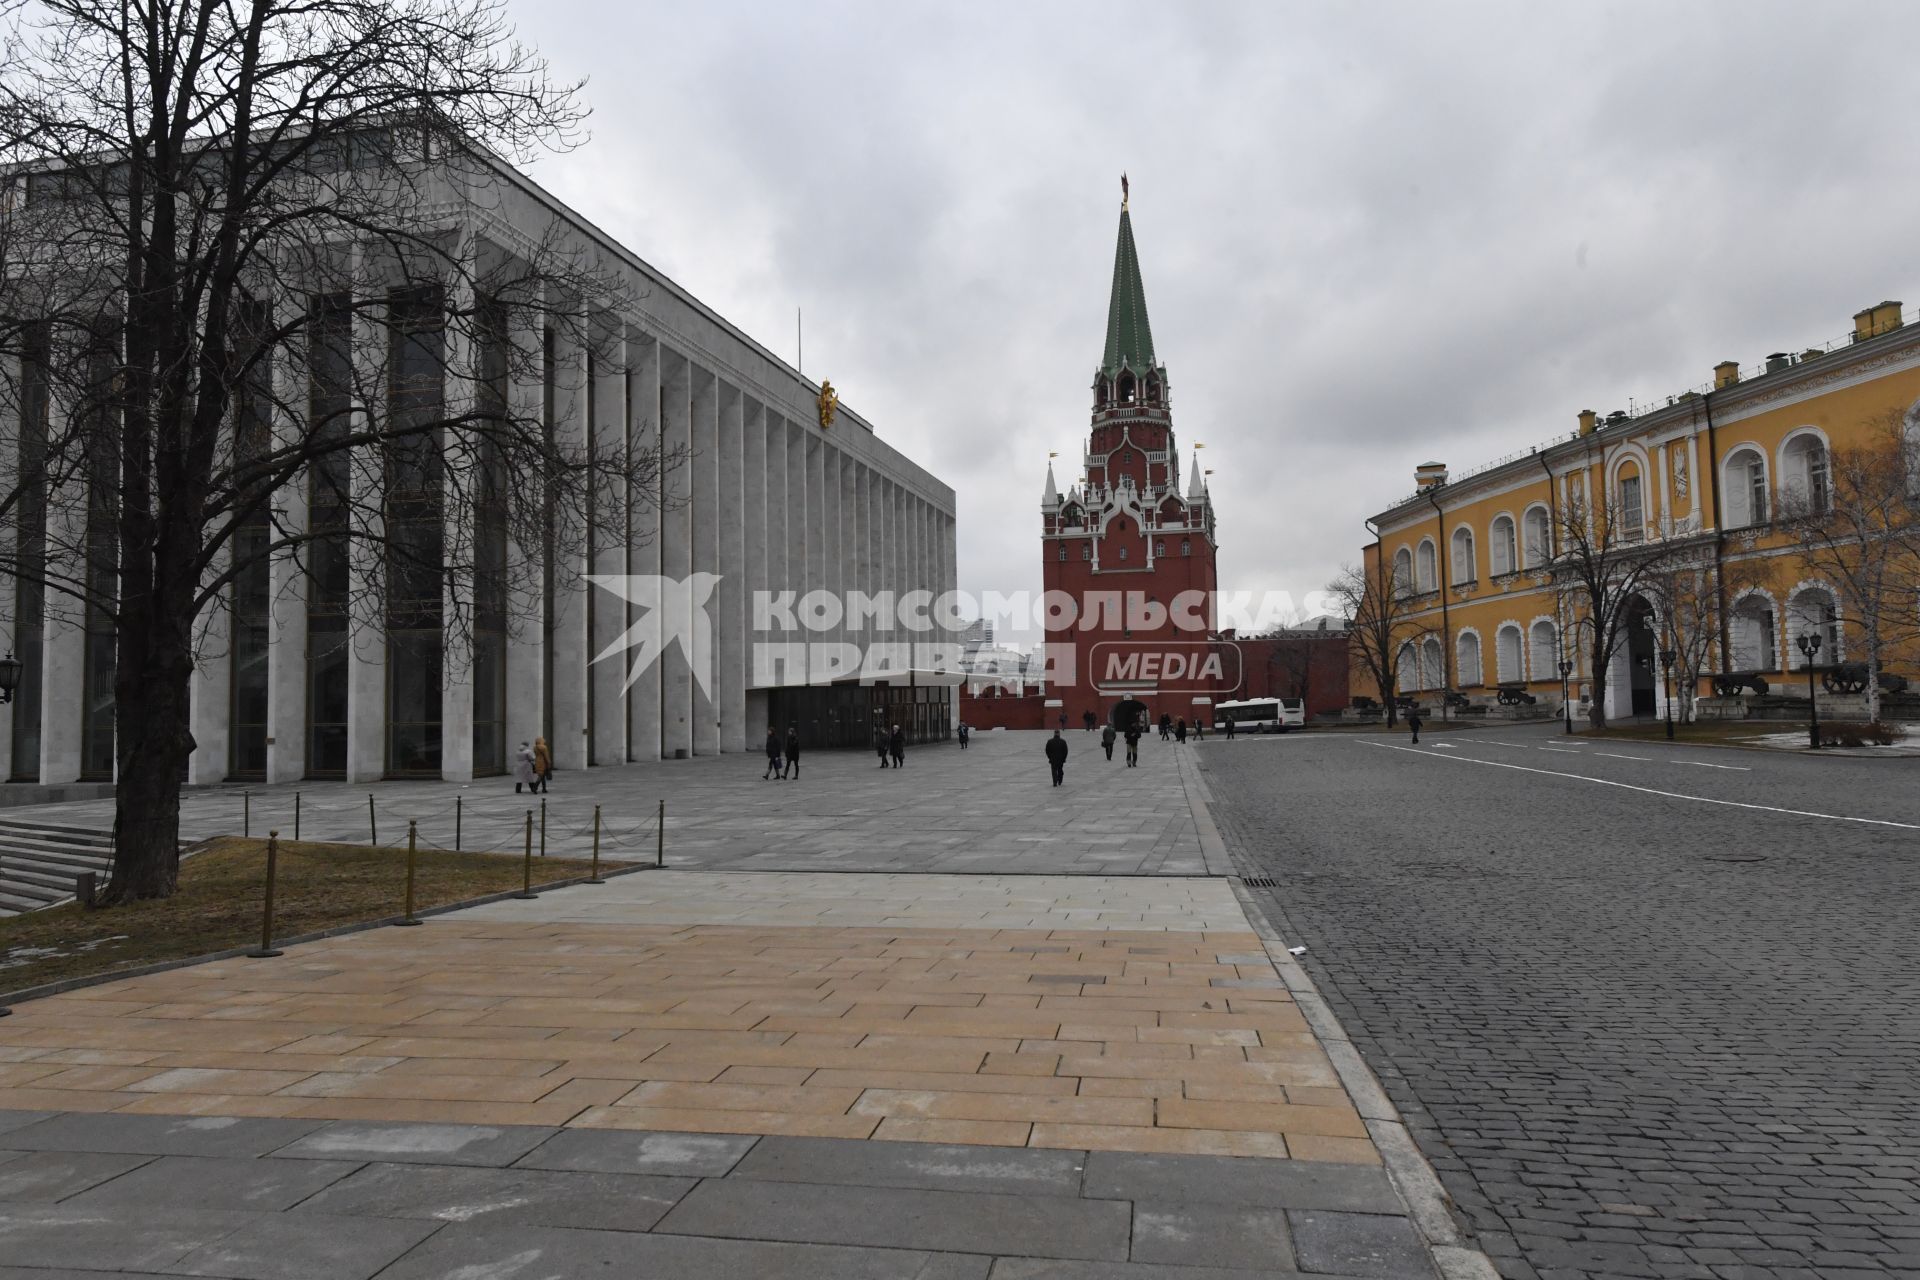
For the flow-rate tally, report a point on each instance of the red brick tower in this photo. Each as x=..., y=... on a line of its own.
x=1127, y=534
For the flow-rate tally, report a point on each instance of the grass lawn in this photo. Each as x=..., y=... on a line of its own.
x=318, y=886
x=1704, y=731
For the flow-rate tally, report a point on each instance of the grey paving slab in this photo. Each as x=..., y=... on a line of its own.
x=474, y=1251
x=1358, y=1244
x=159, y=1135
x=690, y=1155
x=888, y=1217
x=211, y=1182
x=1212, y=1235
x=470, y=1144
x=11, y=1120
x=988, y=809
x=109, y=1240
x=1273, y=1184
x=535, y=1197
x=926, y=1166
x=298, y=1246
x=47, y=1177
x=1058, y=1269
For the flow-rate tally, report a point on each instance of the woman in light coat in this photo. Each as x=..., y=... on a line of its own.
x=523, y=771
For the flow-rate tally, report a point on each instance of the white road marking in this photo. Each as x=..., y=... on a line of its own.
x=1565, y=751
x=1654, y=791
x=1702, y=764
x=1615, y=755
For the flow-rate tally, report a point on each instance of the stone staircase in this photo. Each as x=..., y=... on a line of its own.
x=39, y=861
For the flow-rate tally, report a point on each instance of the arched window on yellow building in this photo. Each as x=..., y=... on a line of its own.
x=1460, y=558
x=1806, y=483
x=1745, y=473
x=1502, y=547
x=1426, y=574
x=1466, y=660
x=1544, y=641
x=1403, y=572
x=1506, y=649
x=1539, y=536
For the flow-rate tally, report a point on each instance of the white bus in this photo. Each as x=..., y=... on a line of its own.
x=1261, y=715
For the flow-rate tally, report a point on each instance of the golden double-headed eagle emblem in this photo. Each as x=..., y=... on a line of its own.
x=829, y=403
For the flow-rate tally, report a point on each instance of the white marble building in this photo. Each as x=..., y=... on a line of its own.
x=769, y=499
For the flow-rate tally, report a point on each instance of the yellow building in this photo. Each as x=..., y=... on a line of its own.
x=1479, y=561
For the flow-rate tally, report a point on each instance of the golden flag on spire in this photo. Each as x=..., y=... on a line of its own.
x=1123, y=190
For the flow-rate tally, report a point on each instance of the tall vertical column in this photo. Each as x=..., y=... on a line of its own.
x=676, y=548
x=1697, y=485
x=569, y=635
x=366, y=571
x=830, y=544
x=643, y=540
x=797, y=532
x=730, y=622
x=9, y=531
x=607, y=677
x=526, y=590
x=287, y=595
x=705, y=513
x=844, y=506
x=62, y=673
x=817, y=532
x=755, y=478
x=210, y=691
x=459, y=393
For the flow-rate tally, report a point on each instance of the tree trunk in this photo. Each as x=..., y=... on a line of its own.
x=1597, y=690
x=1873, y=676
x=154, y=738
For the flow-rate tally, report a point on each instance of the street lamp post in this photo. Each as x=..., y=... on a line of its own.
x=9, y=677
x=1666, y=686
x=1566, y=698
x=1809, y=646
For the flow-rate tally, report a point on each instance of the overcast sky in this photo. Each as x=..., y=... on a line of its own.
x=1372, y=235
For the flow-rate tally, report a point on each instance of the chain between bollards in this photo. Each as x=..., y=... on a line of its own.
x=266, y=951
x=413, y=841
x=660, y=837
x=594, y=877
x=543, y=826
x=373, y=825
x=526, y=862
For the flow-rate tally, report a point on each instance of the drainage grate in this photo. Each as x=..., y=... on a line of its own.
x=1257, y=882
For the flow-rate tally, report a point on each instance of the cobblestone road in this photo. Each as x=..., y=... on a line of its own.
x=1639, y=1034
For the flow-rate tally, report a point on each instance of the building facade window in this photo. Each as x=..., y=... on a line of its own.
x=1633, y=513
x=1403, y=583
x=1808, y=473
x=1426, y=572
x=1811, y=611
x=1462, y=560
x=1502, y=546
x=1544, y=641
x=1753, y=636
x=329, y=404
x=1466, y=660
x=1539, y=536
x=1507, y=657
x=252, y=589
x=1746, y=488
x=1186, y=547
x=30, y=554
x=415, y=532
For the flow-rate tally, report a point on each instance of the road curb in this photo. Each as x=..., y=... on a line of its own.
x=1213, y=850
x=1427, y=1201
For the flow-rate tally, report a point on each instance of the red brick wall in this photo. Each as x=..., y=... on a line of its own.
x=1273, y=669
x=997, y=709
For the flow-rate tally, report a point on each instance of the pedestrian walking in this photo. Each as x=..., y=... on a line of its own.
x=543, y=763
x=1133, y=747
x=1089, y=719
x=1166, y=727
x=1180, y=731
x=964, y=733
x=880, y=743
x=774, y=767
x=1057, y=757
x=897, y=747
x=1229, y=724
x=1063, y=719
x=523, y=771
x=1413, y=721
x=1199, y=728
x=793, y=752
x=1107, y=735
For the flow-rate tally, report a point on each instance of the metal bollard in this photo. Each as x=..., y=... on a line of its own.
x=543, y=826
x=660, y=837
x=594, y=878
x=413, y=839
x=526, y=883
x=373, y=826
x=246, y=815
x=296, y=815
x=266, y=951
x=456, y=822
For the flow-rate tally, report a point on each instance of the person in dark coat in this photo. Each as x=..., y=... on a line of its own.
x=1057, y=757
x=880, y=743
x=1107, y=735
x=1180, y=730
x=1133, y=747
x=897, y=747
x=774, y=768
x=964, y=733
x=1229, y=724
x=1413, y=721
x=1166, y=727
x=793, y=751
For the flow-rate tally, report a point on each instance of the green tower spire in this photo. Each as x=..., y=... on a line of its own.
x=1129, y=337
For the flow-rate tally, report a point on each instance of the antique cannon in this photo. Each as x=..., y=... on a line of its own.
x=1728, y=683
x=1851, y=677
x=1514, y=695
x=1456, y=699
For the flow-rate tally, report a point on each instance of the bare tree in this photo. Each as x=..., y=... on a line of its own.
x=1604, y=561
x=247, y=324
x=1854, y=519
x=1690, y=598
x=1380, y=627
